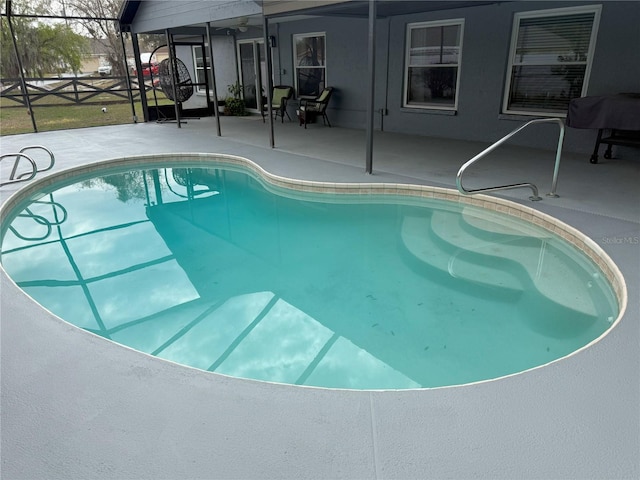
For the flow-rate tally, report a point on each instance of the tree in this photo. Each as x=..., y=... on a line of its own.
x=43, y=48
x=150, y=41
x=60, y=49
x=89, y=18
x=102, y=30
x=94, y=19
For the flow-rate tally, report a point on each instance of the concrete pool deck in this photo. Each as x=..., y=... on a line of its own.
x=78, y=406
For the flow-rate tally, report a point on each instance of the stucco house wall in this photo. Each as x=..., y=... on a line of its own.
x=486, y=42
x=487, y=36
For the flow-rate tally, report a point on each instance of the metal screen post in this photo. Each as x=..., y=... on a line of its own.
x=216, y=112
x=372, y=84
x=267, y=53
x=126, y=74
x=23, y=82
x=141, y=84
x=172, y=73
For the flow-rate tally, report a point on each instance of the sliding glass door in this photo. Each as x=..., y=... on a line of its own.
x=253, y=72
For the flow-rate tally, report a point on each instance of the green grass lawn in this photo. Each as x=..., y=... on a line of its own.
x=17, y=120
x=61, y=114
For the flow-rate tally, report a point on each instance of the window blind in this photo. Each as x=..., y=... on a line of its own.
x=549, y=62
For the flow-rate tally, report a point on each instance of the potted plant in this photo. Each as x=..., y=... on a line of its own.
x=234, y=104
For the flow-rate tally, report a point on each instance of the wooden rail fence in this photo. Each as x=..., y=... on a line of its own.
x=76, y=90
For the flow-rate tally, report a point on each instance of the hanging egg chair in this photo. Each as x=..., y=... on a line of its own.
x=184, y=86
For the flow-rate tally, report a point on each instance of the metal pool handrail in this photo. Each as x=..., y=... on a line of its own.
x=52, y=159
x=34, y=166
x=18, y=156
x=533, y=188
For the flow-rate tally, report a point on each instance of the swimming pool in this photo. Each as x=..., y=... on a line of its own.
x=223, y=267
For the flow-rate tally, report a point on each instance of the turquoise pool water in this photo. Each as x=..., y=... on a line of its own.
x=209, y=268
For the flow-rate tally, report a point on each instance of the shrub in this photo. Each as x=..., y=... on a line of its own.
x=233, y=104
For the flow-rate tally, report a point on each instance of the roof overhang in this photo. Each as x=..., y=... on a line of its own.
x=127, y=12
x=360, y=8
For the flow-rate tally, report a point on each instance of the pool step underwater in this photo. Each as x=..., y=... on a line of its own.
x=487, y=223
x=473, y=248
x=418, y=238
x=560, y=285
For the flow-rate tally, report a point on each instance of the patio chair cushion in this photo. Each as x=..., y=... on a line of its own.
x=310, y=108
x=279, y=97
x=280, y=94
x=318, y=104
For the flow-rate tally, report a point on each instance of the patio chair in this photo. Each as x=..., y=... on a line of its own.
x=279, y=98
x=310, y=109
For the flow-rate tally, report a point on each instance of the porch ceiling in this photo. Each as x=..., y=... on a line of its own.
x=293, y=10
x=360, y=8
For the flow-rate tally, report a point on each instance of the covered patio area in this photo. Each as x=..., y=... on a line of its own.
x=78, y=406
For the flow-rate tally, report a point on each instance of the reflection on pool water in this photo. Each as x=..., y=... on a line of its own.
x=209, y=268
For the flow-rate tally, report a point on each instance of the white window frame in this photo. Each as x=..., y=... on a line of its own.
x=295, y=60
x=407, y=63
x=595, y=9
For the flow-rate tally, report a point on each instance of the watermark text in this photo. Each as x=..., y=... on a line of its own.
x=628, y=240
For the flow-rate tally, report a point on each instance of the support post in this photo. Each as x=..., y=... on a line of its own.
x=141, y=85
x=216, y=111
x=372, y=85
x=23, y=82
x=172, y=73
x=126, y=74
x=267, y=52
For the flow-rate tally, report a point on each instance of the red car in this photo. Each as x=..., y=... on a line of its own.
x=148, y=69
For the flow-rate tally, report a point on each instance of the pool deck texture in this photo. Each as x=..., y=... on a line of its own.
x=76, y=406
